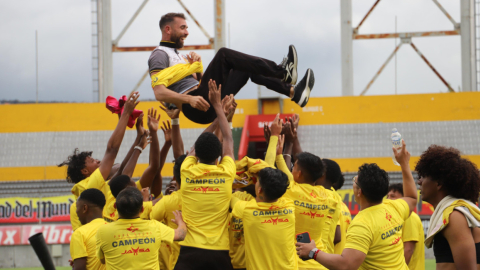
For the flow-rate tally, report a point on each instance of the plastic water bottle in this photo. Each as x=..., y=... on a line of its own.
x=396, y=142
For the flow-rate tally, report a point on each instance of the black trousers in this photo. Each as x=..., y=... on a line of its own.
x=191, y=258
x=232, y=70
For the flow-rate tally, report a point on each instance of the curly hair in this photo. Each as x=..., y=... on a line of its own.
x=208, y=147
x=311, y=165
x=398, y=187
x=458, y=176
x=75, y=163
x=273, y=182
x=93, y=196
x=373, y=181
x=176, y=168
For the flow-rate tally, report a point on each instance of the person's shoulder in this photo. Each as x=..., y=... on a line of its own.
x=158, y=53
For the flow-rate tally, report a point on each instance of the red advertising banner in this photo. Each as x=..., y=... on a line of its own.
x=32, y=210
x=423, y=208
x=18, y=235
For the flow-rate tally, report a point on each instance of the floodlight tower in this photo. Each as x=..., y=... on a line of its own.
x=466, y=29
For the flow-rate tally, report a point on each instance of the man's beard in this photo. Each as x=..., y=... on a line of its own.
x=177, y=40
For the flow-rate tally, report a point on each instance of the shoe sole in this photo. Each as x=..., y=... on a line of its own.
x=295, y=63
x=308, y=88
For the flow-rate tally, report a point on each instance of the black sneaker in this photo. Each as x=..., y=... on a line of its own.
x=289, y=63
x=303, y=89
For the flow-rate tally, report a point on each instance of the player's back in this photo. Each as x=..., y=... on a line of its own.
x=206, y=191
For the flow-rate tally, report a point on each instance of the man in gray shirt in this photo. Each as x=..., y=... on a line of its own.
x=229, y=68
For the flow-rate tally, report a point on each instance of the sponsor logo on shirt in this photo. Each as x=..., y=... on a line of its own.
x=388, y=217
x=135, y=251
x=273, y=212
x=312, y=206
x=312, y=214
x=395, y=241
x=210, y=181
x=205, y=189
x=391, y=232
x=132, y=242
x=132, y=229
x=274, y=221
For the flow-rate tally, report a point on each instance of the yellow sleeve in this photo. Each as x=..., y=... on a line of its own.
x=229, y=166
x=410, y=231
x=359, y=237
x=173, y=74
x=147, y=209
x=77, y=246
x=401, y=206
x=73, y=217
x=188, y=162
x=239, y=208
x=99, y=252
x=271, y=151
x=282, y=166
x=158, y=211
x=166, y=233
x=96, y=181
x=139, y=185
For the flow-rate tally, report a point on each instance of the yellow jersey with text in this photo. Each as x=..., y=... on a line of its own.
x=132, y=243
x=77, y=189
x=413, y=231
x=269, y=230
x=343, y=222
x=317, y=211
x=206, y=191
x=163, y=212
x=83, y=244
x=377, y=232
x=236, y=234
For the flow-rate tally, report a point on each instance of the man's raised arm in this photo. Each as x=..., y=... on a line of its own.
x=215, y=98
x=115, y=140
x=163, y=94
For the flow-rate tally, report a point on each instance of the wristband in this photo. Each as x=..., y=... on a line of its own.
x=139, y=148
x=231, y=125
x=175, y=122
x=315, y=255
x=287, y=155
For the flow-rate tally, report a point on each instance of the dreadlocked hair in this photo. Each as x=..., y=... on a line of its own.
x=75, y=163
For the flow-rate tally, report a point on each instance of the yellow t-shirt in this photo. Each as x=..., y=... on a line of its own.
x=344, y=222
x=206, y=191
x=77, y=189
x=163, y=212
x=413, y=231
x=377, y=232
x=274, y=222
x=132, y=243
x=236, y=234
x=83, y=244
x=317, y=211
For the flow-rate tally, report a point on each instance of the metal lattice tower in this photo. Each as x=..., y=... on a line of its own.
x=94, y=51
x=466, y=29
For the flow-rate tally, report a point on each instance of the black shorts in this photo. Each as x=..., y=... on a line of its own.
x=191, y=258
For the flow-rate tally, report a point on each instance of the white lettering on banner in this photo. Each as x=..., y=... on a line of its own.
x=260, y=124
x=239, y=111
x=53, y=235
x=9, y=239
x=313, y=109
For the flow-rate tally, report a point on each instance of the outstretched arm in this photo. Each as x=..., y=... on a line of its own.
x=177, y=141
x=158, y=181
x=215, y=98
x=163, y=94
x=349, y=260
x=409, y=186
x=297, y=149
x=115, y=140
x=154, y=158
x=130, y=167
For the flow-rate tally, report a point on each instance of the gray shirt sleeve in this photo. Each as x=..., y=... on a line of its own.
x=158, y=60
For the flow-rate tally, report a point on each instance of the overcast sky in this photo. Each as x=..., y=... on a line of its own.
x=263, y=28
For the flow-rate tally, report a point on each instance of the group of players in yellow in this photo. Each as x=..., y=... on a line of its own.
x=280, y=212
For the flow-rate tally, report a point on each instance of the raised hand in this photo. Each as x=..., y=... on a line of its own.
x=131, y=103
x=172, y=113
x=214, y=93
x=199, y=103
x=290, y=132
x=227, y=102
x=266, y=132
x=153, y=120
x=295, y=120
x=402, y=156
x=167, y=131
x=145, y=194
x=139, y=126
x=276, y=127
x=281, y=141
x=231, y=111
x=145, y=140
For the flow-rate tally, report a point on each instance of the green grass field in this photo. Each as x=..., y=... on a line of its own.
x=429, y=265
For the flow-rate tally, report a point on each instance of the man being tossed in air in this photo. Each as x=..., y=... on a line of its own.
x=179, y=80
